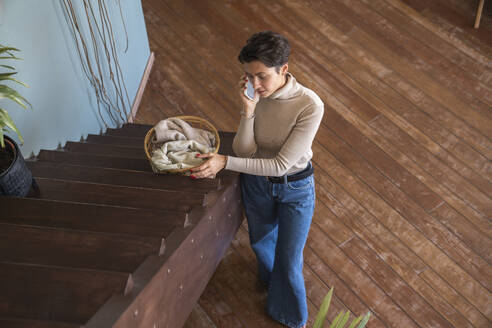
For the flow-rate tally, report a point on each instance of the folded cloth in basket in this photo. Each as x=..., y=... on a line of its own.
x=178, y=129
x=179, y=154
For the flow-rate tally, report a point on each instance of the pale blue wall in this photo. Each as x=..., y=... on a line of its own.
x=64, y=106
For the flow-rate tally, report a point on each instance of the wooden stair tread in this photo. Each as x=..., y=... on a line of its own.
x=136, y=126
x=75, y=248
x=90, y=217
x=95, y=193
x=55, y=293
x=95, y=160
x=129, y=178
x=107, y=150
x=139, y=130
x=112, y=140
x=143, y=128
x=137, y=138
x=127, y=132
x=28, y=323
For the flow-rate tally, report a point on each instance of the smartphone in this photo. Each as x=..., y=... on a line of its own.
x=250, y=90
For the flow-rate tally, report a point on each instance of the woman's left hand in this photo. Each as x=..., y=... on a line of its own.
x=210, y=167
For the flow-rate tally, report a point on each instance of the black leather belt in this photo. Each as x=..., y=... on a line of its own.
x=294, y=177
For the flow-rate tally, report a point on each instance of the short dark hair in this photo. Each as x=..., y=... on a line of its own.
x=271, y=48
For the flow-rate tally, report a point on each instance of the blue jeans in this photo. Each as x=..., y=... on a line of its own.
x=279, y=217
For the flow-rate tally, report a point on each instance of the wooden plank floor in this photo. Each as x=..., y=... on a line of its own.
x=404, y=180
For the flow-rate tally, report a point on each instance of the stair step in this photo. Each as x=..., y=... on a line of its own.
x=95, y=160
x=94, y=193
x=139, y=131
x=28, y=323
x=137, y=126
x=55, y=293
x=90, y=217
x=119, y=141
x=76, y=248
x=107, y=150
x=127, y=132
x=119, y=177
x=130, y=130
x=225, y=137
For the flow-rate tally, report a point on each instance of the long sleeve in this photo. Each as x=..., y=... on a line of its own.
x=297, y=146
x=244, y=144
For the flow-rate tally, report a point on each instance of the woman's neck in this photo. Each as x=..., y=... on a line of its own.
x=283, y=83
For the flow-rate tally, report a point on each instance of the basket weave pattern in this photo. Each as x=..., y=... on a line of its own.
x=150, y=143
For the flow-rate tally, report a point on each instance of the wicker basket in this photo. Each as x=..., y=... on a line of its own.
x=195, y=122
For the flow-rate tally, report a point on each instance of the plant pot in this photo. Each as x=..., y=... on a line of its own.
x=17, y=179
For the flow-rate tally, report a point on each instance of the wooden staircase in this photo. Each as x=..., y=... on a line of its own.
x=104, y=242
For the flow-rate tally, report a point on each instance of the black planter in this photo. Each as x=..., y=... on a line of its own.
x=17, y=179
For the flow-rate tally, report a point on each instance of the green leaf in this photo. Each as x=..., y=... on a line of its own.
x=320, y=318
x=15, y=80
x=8, y=76
x=7, y=49
x=335, y=322
x=364, y=320
x=10, y=57
x=5, y=75
x=6, y=121
x=344, y=320
x=355, y=321
x=7, y=92
x=7, y=66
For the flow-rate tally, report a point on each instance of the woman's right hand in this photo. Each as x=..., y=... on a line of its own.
x=248, y=104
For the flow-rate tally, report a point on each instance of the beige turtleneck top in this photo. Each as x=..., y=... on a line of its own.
x=277, y=139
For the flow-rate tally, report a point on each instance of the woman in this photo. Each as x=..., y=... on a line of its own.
x=273, y=145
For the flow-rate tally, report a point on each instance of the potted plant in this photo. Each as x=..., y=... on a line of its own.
x=15, y=177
